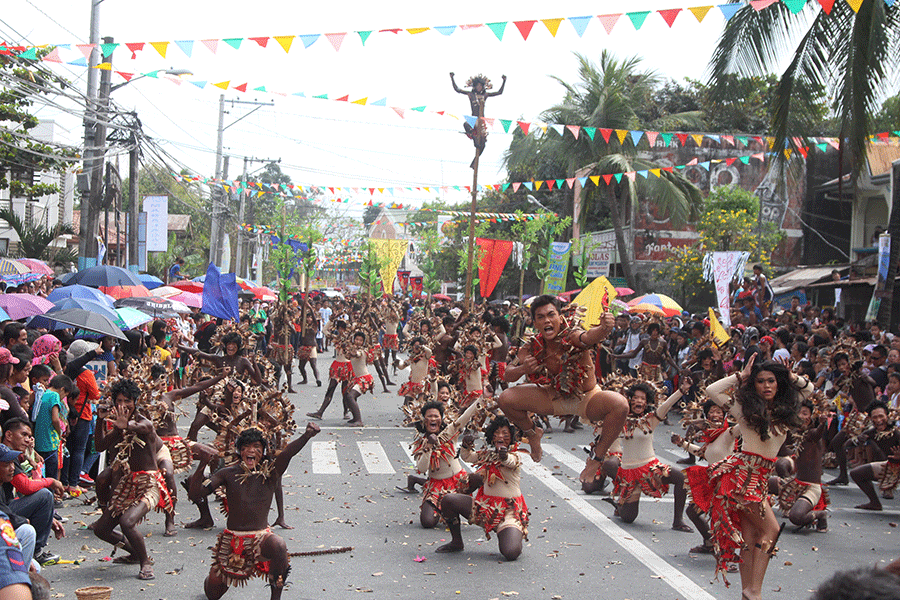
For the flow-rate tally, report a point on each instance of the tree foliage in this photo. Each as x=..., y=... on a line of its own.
x=35, y=239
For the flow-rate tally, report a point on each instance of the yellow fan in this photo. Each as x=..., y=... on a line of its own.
x=595, y=298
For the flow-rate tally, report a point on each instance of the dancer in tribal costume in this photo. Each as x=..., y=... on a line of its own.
x=856, y=389
x=341, y=371
x=499, y=505
x=306, y=351
x=765, y=405
x=391, y=341
x=884, y=442
x=418, y=363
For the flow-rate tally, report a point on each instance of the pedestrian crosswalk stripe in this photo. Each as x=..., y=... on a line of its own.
x=325, y=458
x=564, y=458
x=375, y=458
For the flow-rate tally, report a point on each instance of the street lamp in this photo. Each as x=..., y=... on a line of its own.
x=175, y=72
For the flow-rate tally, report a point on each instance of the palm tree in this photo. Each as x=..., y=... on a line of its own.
x=855, y=54
x=35, y=240
x=604, y=97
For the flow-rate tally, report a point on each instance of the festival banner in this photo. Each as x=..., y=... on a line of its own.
x=403, y=277
x=558, y=264
x=415, y=286
x=884, y=263
x=720, y=268
x=495, y=254
x=390, y=253
x=157, y=209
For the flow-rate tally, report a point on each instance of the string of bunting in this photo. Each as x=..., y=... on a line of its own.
x=498, y=29
x=624, y=137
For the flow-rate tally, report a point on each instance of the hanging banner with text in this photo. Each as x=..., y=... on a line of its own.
x=157, y=209
x=884, y=263
x=558, y=264
x=721, y=268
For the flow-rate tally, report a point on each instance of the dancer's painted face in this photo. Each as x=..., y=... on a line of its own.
x=548, y=321
x=638, y=402
x=251, y=454
x=502, y=437
x=432, y=420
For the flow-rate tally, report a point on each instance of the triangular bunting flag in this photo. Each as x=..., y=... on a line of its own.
x=637, y=18
x=552, y=25
x=199, y=84
x=537, y=185
x=504, y=187
x=559, y=183
x=506, y=123
x=855, y=4
x=399, y=111
x=574, y=129
x=621, y=133
x=590, y=131
x=606, y=178
x=605, y=133
x=222, y=84
x=262, y=41
x=529, y=185
x=30, y=54
x=794, y=6
x=656, y=172
x=758, y=5
x=515, y=186
x=823, y=147
x=666, y=138
x=309, y=39
x=558, y=128
x=445, y=30
x=700, y=12
x=524, y=27
x=361, y=101
x=418, y=108
x=382, y=102
x=135, y=47
x=498, y=28
x=53, y=56
x=609, y=21
x=669, y=15
x=363, y=36
x=160, y=47
x=583, y=180
x=336, y=40
x=523, y=125
x=415, y=30
x=234, y=42
x=344, y=98
x=580, y=24
x=682, y=137
x=631, y=175
x=321, y=97
x=728, y=10
x=698, y=139
x=636, y=137
x=651, y=137
x=211, y=45
x=642, y=174
x=107, y=49
x=826, y=5
x=285, y=41
x=86, y=50
x=186, y=46
x=618, y=177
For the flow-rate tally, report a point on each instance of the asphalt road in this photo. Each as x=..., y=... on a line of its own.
x=340, y=491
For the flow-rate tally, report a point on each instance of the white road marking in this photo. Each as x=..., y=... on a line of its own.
x=675, y=578
x=375, y=458
x=406, y=449
x=325, y=458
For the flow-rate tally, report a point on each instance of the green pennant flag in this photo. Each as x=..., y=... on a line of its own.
x=794, y=6
x=618, y=177
x=745, y=160
x=321, y=97
x=896, y=133
x=498, y=29
x=559, y=183
x=637, y=18
x=30, y=54
x=261, y=88
x=506, y=123
x=418, y=108
x=823, y=146
x=108, y=49
x=666, y=138
x=504, y=187
x=234, y=42
x=364, y=35
x=590, y=131
x=154, y=74
x=742, y=139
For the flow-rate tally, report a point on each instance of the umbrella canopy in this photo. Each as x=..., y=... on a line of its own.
x=264, y=293
x=132, y=317
x=80, y=291
x=150, y=282
x=188, y=286
x=180, y=307
x=158, y=308
x=624, y=291
x=4, y=316
x=36, y=266
x=12, y=267
x=125, y=291
x=441, y=297
x=567, y=296
x=669, y=307
x=90, y=321
x=647, y=309
x=67, y=303
x=188, y=299
x=106, y=276
x=20, y=306
x=66, y=278
x=166, y=291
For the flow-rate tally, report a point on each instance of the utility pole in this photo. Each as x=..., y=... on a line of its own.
x=216, y=233
x=95, y=148
x=243, y=239
x=90, y=124
x=133, y=173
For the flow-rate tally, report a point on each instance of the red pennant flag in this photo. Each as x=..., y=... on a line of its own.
x=524, y=27
x=682, y=137
x=343, y=98
x=803, y=150
x=549, y=183
x=669, y=15
x=827, y=5
x=399, y=111
x=240, y=88
x=262, y=41
x=729, y=161
x=524, y=126
x=606, y=133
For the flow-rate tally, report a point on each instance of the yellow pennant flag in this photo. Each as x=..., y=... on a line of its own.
x=698, y=139
x=657, y=172
x=285, y=41
x=160, y=47
x=621, y=133
x=595, y=298
x=771, y=142
x=855, y=4
x=700, y=12
x=595, y=179
x=415, y=30
x=787, y=153
x=552, y=25
x=222, y=84
x=537, y=185
x=361, y=101
x=104, y=66
x=719, y=336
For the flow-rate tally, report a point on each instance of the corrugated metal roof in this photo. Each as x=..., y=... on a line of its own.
x=881, y=155
x=799, y=278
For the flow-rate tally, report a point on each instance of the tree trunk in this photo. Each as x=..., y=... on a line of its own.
x=618, y=225
x=885, y=316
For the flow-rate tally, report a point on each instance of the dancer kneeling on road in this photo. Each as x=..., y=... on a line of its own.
x=499, y=505
x=560, y=369
x=248, y=548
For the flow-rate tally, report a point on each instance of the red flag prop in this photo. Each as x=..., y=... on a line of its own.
x=415, y=286
x=496, y=253
x=403, y=276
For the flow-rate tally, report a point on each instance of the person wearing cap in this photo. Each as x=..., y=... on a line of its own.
x=9, y=400
x=765, y=347
x=751, y=342
x=81, y=410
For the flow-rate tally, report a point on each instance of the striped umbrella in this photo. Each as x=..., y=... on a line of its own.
x=646, y=308
x=669, y=307
x=12, y=267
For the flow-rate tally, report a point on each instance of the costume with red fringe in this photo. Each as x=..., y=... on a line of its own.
x=365, y=383
x=341, y=370
x=236, y=556
x=412, y=389
x=793, y=489
x=373, y=353
x=890, y=477
x=434, y=490
x=490, y=512
x=647, y=477
x=445, y=452
x=304, y=352
x=500, y=365
x=391, y=341
x=696, y=477
x=141, y=486
x=180, y=449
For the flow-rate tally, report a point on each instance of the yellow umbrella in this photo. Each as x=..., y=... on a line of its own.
x=592, y=298
x=647, y=308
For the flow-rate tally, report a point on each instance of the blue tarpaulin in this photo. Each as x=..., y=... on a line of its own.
x=220, y=294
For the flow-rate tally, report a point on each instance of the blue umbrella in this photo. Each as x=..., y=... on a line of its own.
x=81, y=292
x=46, y=321
x=106, y=276
x=151, y=282
x=66, y=278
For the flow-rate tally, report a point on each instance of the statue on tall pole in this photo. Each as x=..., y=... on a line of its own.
x=478, y=94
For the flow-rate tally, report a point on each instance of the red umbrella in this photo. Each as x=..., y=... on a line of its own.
x=262, y=291
x=567, y=296
x=125, y=291
x=194, y=287
x=19, y=306
x=36, y=266
x=441, y=297
x=624, y=291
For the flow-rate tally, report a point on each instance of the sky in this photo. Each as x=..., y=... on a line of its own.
x=328, y=143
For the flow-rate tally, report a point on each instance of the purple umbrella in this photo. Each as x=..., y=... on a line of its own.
x=20, y=306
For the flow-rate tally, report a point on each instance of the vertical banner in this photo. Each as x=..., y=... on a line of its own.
x=442, y=220
x=558, y=264
x=390, y=253
x=495, y=254
x=157, y=209
x=142, y=241
x=403, y=277
x=415, y=286
x=101, y=250
x=721, y=268
x=884, y=263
